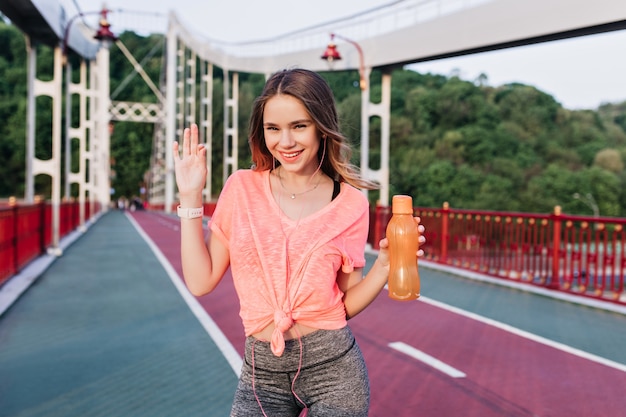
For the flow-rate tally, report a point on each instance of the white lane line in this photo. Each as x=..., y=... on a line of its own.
x=526, y=287
x=427, y=359
x=530, y=336
x=220, y=339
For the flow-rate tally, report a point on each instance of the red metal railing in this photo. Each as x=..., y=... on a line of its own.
x=26, y=232
x=575, y=254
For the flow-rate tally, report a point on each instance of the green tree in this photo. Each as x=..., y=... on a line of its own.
x=495, y=193
x=554, y=186
x=610, y=160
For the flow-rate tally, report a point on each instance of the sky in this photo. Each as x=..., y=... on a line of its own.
x=581, y=73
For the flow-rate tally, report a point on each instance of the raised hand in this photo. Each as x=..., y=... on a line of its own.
x=190, y=166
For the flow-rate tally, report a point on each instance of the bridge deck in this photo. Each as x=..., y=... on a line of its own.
x=105, y=330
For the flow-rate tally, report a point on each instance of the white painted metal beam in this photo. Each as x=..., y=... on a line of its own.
x=488, y=25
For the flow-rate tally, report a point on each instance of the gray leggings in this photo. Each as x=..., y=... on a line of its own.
x=332, y=381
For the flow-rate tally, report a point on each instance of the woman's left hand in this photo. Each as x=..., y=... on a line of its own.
x=422, y=239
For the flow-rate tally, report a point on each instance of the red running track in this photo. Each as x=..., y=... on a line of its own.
x=506, y=374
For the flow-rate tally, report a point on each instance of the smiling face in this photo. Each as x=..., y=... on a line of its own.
x=291, y=135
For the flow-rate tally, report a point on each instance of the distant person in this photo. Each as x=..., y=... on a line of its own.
x=136, y=204
x=293, y=230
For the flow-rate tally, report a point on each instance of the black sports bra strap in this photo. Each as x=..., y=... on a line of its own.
x=336, y=189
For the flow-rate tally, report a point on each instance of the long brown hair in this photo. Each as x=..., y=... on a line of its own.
x=317, y=97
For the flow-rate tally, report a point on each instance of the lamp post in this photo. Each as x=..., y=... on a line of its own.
x=103, y=34
x=382, y=110
x=590, y=201
x=331, y=55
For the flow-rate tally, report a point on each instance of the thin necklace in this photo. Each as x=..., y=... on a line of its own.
x=294, y=195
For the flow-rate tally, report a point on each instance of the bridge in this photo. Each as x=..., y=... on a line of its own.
x=118, y=335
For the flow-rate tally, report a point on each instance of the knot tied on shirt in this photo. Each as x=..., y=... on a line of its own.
x=282, y=322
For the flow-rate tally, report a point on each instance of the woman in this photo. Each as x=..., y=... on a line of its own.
x=293, y=230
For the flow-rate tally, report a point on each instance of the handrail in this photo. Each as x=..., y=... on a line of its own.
x=578, y=255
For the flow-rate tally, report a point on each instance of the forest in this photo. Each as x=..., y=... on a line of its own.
x=506, y=148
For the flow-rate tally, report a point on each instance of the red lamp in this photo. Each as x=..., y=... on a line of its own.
x=104, y=33
x=331, y=53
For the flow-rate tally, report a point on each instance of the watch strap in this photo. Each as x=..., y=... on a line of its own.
x=189, y=213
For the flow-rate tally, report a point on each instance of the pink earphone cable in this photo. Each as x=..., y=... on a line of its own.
x=305, y=411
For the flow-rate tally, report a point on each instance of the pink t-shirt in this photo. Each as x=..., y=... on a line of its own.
x=260, y=238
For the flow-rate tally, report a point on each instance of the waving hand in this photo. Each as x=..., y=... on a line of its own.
x=190, y=166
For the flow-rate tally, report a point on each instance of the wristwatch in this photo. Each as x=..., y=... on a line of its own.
x=189, y=213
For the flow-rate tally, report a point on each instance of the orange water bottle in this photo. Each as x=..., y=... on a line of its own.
x=403, y=236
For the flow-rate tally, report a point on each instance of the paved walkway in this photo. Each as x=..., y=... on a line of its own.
x=104, y=332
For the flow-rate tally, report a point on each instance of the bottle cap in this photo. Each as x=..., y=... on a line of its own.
x=402, y=204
